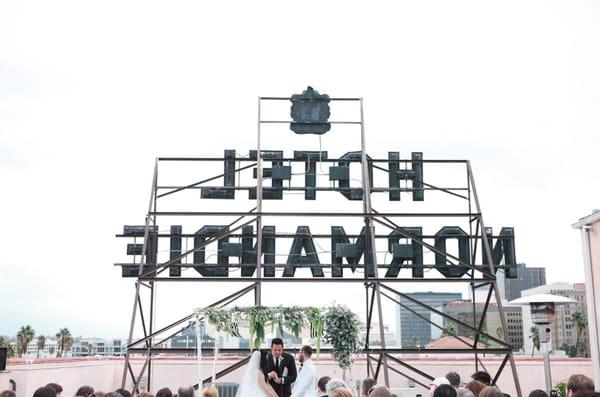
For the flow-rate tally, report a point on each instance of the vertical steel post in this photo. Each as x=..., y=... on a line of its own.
x=259, y=194
x=366, y=184
x=140, y=272
x=487, y=252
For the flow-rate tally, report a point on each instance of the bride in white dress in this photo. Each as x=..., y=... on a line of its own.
x=253, y=382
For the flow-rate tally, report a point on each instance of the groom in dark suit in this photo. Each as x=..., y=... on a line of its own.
x=280, y=369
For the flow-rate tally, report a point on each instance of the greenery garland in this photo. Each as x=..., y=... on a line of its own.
x=336, y=325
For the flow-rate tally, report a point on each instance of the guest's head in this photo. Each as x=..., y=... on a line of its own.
x=322, y=384
x=341, y=392
x=45, y=392
x=490, y=391
x=483, y=377
x=276, y=347
x=113, y=394
x=84, y=391
x=305, y=353
x=586, y=393
x=8, y=393
x=538, y=393
x=475, y=387
x=185, y=391
x=334, y=384
x=366, y=386
x=380, y=391
x=123, y=392
x=437, y=382
x=57, y=388
x=164, y=392
x=577, y=383
x=444, y=391
x=454, y=379
x=210, y=391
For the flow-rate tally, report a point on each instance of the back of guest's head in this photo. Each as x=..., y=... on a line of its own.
x=164, y=392
x=185, y=391
x=380, y=391
x=444, y=391
x=322, y=383
x=491, y=391
x=45, y=392
x=586, y=393
x=57, y=388
x=341, y=392
x=335, y=384
x=210, y=391
x=366, y=386
x=8, y=393
x=538, y=393
x=483, y=377
x=113, y=394
x=124, y=392
x=307, y=351
x=85, y=391
x=475, y=387
x=579, y=382
x=453, y=378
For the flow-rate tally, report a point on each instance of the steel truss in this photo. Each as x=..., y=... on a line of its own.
x=380, y=360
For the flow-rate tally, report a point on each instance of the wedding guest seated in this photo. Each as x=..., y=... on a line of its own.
x=454, y=379
x=577, y=383
x=210, y=391
x=8, y=393
x=538, y=393
x=334, y=384
x=475, y=387
x=490, y=391
x=185, y=391
x=444, y=391
x=45, y=392
x=322, y=385
x=84, y=391
x=164, y=392
x=380, y=391
x=437, y=382
x=58, y=388
x=123, y=392
x=483, y=377
x=367, y=385
x=341, y=392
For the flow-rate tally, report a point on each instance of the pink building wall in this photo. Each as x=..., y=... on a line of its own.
x=105, y=374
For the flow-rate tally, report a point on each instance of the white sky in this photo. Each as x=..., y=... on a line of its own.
x=92, y=92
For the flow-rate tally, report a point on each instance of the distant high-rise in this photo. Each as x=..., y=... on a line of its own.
x=527, y=277
x=410, y=328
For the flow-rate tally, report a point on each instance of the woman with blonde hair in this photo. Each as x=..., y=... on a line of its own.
x=210, y=391
x=341, y=392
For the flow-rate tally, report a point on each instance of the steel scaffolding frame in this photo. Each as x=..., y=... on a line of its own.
x=478, y=276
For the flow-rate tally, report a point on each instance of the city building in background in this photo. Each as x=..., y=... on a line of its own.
x=410, y=328
x=463, y=311
x=84, y=347
x=527, y=277
x=564, y=327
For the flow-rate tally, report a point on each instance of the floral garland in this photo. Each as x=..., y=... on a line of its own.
x=336, y=325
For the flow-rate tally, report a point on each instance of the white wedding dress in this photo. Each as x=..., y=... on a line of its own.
x=250, y=386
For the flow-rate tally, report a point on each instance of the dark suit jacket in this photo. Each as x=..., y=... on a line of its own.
x=285, y=361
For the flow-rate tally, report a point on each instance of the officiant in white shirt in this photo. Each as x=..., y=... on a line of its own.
x=306, y=381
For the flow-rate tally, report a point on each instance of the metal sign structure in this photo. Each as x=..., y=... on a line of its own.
x=245, y=241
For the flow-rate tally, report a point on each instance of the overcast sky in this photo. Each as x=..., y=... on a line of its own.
x=92, y=92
